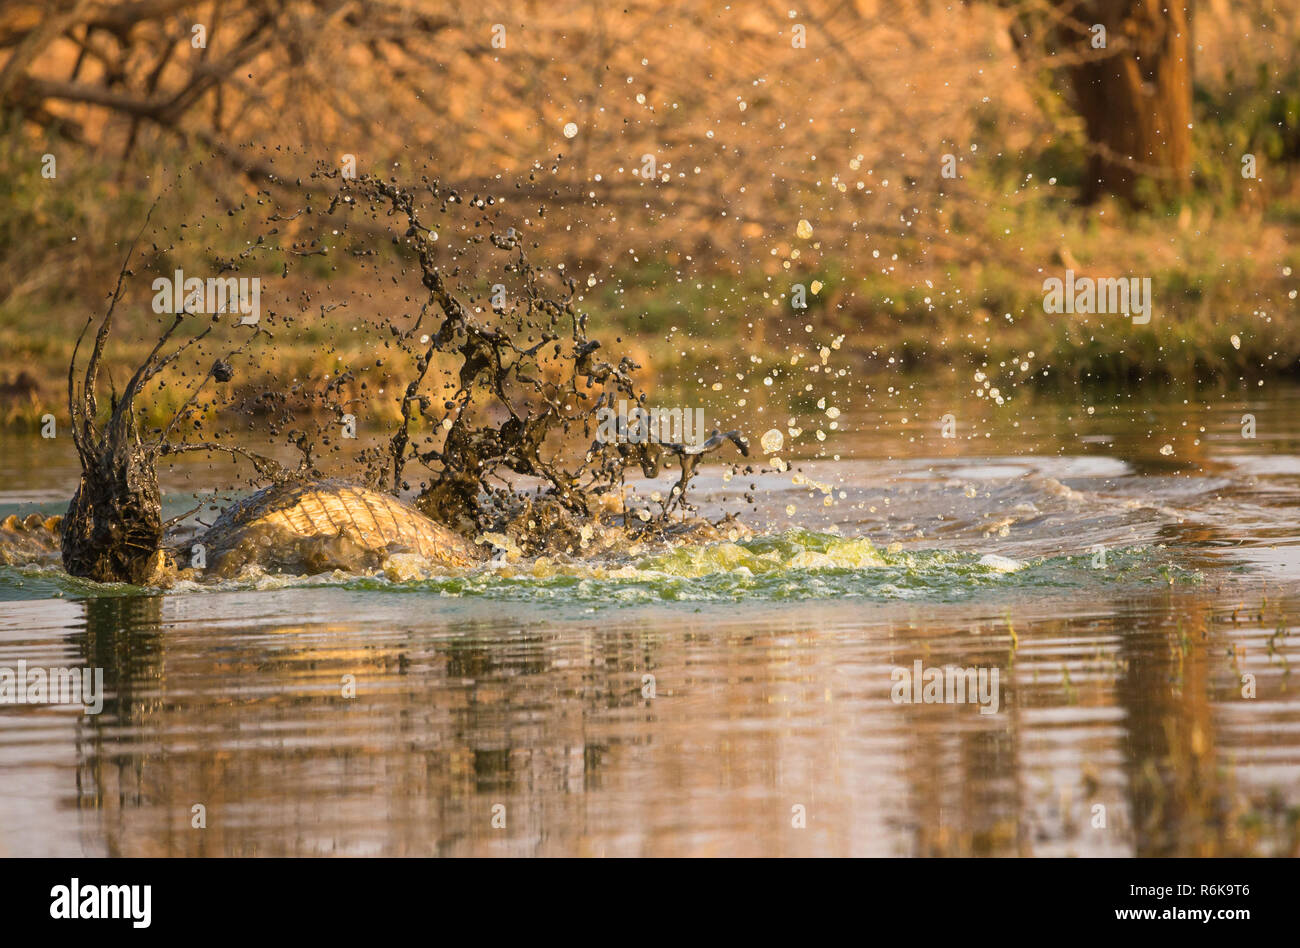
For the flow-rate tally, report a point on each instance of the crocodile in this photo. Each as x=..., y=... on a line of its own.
x=113, y=530
x=319, y=525
x=30, y=539
x=301, y=527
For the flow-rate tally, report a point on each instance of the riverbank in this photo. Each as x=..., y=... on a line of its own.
x=727, y=329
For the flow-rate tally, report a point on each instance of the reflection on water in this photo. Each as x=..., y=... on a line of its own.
x=655, y=714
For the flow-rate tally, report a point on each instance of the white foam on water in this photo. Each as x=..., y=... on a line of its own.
x=1002, y=564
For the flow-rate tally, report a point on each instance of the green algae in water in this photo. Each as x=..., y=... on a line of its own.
x=791, y=566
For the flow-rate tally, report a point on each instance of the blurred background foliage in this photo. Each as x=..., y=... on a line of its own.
x=749, y=131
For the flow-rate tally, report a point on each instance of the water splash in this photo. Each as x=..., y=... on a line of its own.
x=524, y=380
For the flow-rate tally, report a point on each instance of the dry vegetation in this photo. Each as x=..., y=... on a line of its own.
x=749, y=134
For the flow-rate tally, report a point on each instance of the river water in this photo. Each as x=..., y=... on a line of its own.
x=1129, y=566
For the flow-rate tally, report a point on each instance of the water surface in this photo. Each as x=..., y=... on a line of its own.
x=1129, y=571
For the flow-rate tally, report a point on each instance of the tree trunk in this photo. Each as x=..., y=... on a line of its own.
x=1135, y=96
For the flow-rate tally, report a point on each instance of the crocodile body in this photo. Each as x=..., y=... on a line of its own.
x=318, y=526
x=31, y=540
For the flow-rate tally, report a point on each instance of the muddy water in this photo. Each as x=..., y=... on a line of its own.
x=1131, y=573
